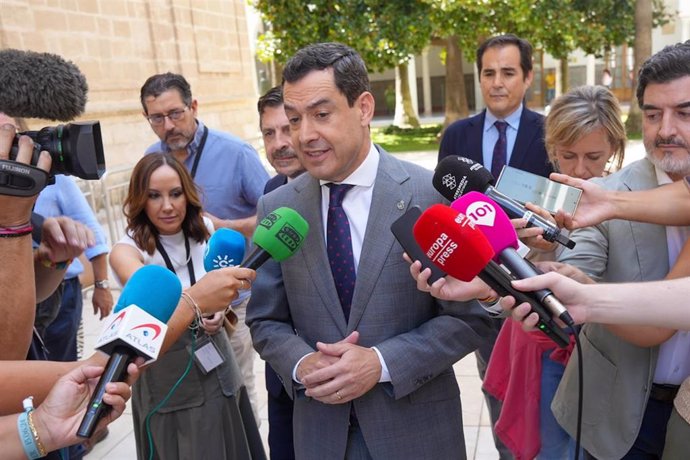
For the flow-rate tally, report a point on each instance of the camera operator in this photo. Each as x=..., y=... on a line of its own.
x=17, y=309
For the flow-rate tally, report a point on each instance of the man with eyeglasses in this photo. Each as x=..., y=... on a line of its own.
x=226, y=169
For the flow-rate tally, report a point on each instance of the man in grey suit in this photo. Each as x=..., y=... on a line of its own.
x=630, y=382
x=368, y=360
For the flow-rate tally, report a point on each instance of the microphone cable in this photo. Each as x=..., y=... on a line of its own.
x=580, y=389
x=147, y=422
x=566, y=318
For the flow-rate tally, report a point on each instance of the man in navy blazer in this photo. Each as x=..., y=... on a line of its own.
x=275, y=132
x=504, y=64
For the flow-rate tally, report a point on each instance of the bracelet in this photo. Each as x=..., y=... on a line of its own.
x=492, y=299
x=56, y=265
x=189, y=300
x=16, y=231
x=33, y=448
x=41, y=449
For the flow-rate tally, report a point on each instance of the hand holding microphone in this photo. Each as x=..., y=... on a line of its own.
x=137, y=327
x=278, y=235
x=454, y=176
x=498, y=229
x=452, y=242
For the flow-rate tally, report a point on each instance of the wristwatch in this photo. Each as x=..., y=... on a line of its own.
x=102, y=284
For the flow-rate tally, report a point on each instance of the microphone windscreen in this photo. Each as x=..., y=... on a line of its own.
x=281, y=233
x=154, y=289
x=452, y=243
x=454, y=176
x=489, y=218
x=225, y=249
x=40, y=85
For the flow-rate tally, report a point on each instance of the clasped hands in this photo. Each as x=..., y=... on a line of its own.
x=339, y=372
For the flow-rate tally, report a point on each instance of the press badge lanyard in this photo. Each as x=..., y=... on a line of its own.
x=168, y=262
x=199, y=151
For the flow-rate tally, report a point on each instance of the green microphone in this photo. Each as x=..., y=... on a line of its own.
x=277, y=236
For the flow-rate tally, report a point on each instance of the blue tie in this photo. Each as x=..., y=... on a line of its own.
x=500, y=155
x=339, y=246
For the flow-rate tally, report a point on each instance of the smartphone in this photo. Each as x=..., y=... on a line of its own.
x=524, y=186
x=402, y=229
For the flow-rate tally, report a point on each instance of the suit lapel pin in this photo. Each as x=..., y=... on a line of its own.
x=401, y=205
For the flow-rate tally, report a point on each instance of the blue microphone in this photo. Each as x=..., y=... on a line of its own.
x=225, y=249
x=136, y=327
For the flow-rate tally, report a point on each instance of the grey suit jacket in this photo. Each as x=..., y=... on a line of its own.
x=617, y=374
x=295, y=303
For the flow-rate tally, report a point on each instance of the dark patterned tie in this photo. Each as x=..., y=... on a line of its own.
x=339, y=246
x=500, y=155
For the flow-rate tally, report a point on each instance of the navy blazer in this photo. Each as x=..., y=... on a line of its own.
x=464, y=138
x=273, y=383
x=275, y=182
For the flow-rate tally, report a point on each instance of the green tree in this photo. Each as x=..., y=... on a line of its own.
x=458, y=26
x=385, y=33
x=643, y=49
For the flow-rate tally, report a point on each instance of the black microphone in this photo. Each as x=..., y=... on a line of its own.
x=454, y=176
x=40, y=85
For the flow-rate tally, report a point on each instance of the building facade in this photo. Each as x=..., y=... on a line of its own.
x=117, y=44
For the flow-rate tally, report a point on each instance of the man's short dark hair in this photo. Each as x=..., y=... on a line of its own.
x=349, y=70
x=158, y=84
x=500, y=41
x=671, y=63
x=272, y=98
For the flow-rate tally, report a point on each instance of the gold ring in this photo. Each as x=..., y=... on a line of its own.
x=337, y=394
x=242, y=286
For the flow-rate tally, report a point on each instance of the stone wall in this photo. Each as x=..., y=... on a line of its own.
x=119, y=43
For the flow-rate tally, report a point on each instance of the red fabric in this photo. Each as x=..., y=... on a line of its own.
x=513, y=376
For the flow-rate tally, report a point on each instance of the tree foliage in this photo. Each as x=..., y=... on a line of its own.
x=385, y=33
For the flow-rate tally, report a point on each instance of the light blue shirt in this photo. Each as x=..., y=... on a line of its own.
x=64, y=198
x=491, y=135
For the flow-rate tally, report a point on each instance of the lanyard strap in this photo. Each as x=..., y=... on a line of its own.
x=168, y=262
x=199, y=151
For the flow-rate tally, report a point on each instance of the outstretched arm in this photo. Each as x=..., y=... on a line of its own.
x=665, y=205
x=624, y=303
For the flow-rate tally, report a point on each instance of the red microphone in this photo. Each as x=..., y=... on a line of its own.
x=452, y=242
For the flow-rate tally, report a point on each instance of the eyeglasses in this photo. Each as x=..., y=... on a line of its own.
x=158, y=119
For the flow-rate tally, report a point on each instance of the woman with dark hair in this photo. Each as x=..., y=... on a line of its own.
x=191, y=403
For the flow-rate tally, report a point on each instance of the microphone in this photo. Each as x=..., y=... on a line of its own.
x=277, y=236
x=454, y=176
x=493, y=222
x=452, y=242
x=136, y=327
x=225, y=249
x=40, y=85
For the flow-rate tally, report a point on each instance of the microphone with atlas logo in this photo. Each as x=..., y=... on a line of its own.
x=136, y=327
